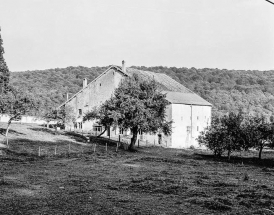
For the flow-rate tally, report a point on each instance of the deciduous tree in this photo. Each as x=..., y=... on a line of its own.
x=4, y=71
x=136, y=105
x=16, y=105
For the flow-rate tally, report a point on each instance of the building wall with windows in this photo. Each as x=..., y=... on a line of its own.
x=190, y=113
x=91, y=96
x=188, y=122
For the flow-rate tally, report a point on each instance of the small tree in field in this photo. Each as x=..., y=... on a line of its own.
x=213, y=138
x=16, y=105
x=232, y=127
x=65, y=115
x=103, y=115
x=49, y=115
x=259, y=133
x=136, y=105
x=62, y=115
x=224, y=134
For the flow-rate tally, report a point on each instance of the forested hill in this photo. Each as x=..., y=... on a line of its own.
x=227, y=90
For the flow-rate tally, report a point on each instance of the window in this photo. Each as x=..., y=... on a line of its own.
x=197, y=118
x=188, y=128
x=97, y=128
x=100, y=84
x=80, y=112
x=197, y=128
x=182, y=118
x=80, y=125
x=121, y=131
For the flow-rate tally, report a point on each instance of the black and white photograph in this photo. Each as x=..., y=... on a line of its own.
x=135, y=107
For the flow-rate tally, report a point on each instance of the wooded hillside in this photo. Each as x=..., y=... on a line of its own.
x=252, y=91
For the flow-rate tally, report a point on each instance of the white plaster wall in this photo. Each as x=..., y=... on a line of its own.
x=4, y=118
x=189, y=121
x=24, y=119
x=94, y=95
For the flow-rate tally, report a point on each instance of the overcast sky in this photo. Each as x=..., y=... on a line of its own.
x=230, y=34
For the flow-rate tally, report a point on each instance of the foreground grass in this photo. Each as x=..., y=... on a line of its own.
x=151, y=181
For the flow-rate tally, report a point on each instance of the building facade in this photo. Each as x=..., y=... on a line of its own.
x=190, y=113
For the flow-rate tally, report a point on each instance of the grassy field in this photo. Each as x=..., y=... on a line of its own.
x=151, y=181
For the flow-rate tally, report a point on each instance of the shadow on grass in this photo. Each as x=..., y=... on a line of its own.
x=45, y=130
x=252, y=161
x=3, y=131
x=21, y=150
x=77, y=137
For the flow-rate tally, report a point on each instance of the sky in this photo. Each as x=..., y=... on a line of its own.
x=224, y=34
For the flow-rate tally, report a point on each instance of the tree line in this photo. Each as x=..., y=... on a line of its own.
x=236, y=132
x=251, y=91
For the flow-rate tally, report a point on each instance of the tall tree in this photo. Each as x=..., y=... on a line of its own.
x=136, y=105
x=16, y=104
x=4, y=71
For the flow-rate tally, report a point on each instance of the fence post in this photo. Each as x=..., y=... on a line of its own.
x=119, y=138
x=138, y=143
x=55, y=150
x=94, y=148
x=39, y=151
x=106, y=146
x=69, y=147
x=117, y=147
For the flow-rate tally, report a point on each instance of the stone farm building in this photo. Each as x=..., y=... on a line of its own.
x=190, y=113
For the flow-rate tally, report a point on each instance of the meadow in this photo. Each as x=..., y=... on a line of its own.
x=153, y=180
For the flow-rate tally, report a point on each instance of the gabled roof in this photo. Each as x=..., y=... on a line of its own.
x=176, y=92
x=164, y=81
x=185, y=98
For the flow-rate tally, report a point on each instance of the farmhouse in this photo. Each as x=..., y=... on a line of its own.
x=190, y=113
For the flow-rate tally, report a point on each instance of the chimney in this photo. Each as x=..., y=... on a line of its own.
x=85, y=82
x=124, y=66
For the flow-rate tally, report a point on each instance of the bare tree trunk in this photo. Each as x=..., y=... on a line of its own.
x=7, y=131
x=133, y=139
x=260, y=151
x=228, y=154
x=102, y=132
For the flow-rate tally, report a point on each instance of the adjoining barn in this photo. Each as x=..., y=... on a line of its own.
x=190, y=113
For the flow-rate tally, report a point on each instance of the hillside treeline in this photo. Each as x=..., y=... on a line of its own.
x=227, y=90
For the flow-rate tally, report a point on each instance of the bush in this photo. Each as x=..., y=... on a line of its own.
x=236, y=132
